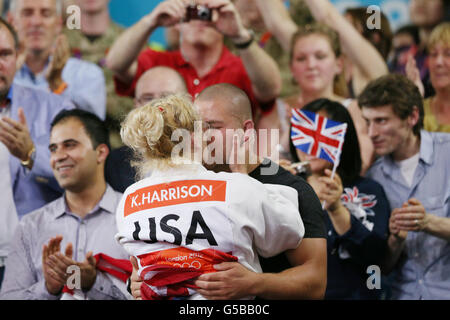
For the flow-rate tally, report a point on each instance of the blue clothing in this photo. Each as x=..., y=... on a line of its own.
x=423, y=270
x=85, y=80
x=34, y=188
x=363, y=245
x=24, y=278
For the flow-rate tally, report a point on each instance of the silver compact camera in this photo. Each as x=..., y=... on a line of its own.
x=198, y=12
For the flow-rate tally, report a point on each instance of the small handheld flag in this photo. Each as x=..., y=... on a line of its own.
x=318, y=136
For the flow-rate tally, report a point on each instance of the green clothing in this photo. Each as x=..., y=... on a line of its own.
x=430, y=122
x=301, y=16
x=95, y=50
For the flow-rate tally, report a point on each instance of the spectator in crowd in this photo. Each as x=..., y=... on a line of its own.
x=357, y=211
x=437, y=107
x=294, y=274
x=367, y=63
x=92, y=43
x=403, y=39
x=380, y=38
x=413, y=169
x=424, y=14
x=45, y=62
x=317, y=63
x=202, y=59
x=252, y=18
x=82, y=220
x=155, y=83
x=27, y=181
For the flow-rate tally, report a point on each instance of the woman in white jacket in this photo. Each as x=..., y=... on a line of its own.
x=182, y=219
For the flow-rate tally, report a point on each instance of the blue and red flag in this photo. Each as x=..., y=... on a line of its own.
x=317, y=135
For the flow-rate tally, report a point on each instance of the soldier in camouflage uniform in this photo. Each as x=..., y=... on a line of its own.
x=253, y=20
x=94, y=48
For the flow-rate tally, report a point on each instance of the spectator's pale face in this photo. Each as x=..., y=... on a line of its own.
x=198, y=32
x=426, y=13
x=155, y=86
x=402, y=40
x=439, y=64
x=37, y=24
x=92, y=6
x=388, y=132
x=8, y=57
x=314, y=64
x=73, y=159
x=218, y=120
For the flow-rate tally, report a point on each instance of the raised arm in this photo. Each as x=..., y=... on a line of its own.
x=122, y=57
x=360, y=51
x=261, y=68
x=306, y=280
x=278, y=21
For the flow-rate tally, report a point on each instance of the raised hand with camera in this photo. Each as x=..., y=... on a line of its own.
x=228, y=21
x=122, y=56
x=168, y=13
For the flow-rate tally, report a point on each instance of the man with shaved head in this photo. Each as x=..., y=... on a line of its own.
x=295, y=274
x=155, y=83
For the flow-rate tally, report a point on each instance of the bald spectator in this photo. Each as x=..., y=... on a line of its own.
x=155, y=83
x=202, y=59
x=45, y=62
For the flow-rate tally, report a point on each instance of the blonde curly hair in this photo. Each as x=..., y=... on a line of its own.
x=148, y=130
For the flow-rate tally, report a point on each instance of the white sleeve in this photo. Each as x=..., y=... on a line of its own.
x=282, y=227
x=120, y=221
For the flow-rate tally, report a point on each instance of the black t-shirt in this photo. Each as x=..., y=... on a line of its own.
x=309, y=206
x=118, y=171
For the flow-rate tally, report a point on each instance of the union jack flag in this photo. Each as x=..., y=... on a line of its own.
x=317, y=135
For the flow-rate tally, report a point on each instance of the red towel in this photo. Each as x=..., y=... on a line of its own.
x=169, y=273
x=118, y=268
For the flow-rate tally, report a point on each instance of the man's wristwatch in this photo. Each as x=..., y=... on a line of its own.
x=30, y=158
x=246, y=44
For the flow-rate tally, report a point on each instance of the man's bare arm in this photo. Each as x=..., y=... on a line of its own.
x=307, y=280
x=122, y=57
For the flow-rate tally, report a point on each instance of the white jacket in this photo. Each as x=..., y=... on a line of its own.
x=191, y=208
